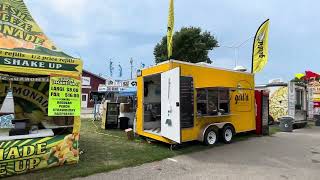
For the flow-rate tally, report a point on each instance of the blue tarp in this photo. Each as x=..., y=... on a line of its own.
x=131, y=91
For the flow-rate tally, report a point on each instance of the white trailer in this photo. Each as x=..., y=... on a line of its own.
x=289, y=99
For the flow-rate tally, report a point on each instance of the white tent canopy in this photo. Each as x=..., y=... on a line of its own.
x=8, y=104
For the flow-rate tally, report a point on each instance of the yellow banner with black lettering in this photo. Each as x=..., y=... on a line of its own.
x=260, y=47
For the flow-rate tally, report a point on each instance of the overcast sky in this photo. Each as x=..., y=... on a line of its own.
x=97, y=30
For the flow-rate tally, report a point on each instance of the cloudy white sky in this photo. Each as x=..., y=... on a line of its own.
x=97, y=30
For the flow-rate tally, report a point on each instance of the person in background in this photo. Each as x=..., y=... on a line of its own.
x=212, y=109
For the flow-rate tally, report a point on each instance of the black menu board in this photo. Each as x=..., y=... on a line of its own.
x=186, y=102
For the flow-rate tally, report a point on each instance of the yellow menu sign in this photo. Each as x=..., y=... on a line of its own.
x=64, y=96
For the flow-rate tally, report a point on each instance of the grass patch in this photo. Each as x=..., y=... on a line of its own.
x=273, y=129
x=103, y=153
x=310, y=124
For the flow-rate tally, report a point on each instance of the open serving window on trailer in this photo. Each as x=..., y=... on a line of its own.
x=179, y=102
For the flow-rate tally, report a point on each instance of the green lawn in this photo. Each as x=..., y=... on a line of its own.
x=102, y=153
x=107, y=150
x=274, y=129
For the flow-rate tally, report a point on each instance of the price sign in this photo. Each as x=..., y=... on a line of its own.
x=64, y=96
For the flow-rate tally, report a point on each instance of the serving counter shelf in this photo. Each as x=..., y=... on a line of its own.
x=51, y=125
x=4, y=135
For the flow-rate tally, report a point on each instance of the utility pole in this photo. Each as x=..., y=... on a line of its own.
x=120, y=70
x=111, y=68
x=131, y=66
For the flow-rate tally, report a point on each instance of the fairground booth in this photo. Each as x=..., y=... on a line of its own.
x=40, y=91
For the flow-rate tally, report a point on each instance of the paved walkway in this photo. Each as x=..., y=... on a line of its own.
x=283, y=156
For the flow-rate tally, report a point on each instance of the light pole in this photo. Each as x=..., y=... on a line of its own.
x=120, y=70
x=111, y=67
x=131, y=66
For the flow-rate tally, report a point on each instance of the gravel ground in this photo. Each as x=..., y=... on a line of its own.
x=293, y=155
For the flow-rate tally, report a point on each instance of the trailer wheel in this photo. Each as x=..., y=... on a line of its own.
x=210, y=136
x=227, y=134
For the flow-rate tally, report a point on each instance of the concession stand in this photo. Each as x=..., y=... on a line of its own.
x=40, y=92
x=179, y=102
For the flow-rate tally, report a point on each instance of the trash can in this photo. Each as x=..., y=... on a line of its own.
x=317, y=119
x=286, y=124
x=124, y=123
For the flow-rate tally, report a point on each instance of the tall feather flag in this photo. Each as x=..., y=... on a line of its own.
x=260, y=47
x=299, y=75
x=170, y=28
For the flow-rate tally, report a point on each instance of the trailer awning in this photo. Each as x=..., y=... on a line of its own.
x=131, y=91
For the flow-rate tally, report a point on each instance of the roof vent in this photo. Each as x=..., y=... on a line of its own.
x=240, y=68
x=204, y=64
x=276, y=81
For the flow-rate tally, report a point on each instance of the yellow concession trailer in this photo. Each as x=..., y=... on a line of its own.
x=180, y=102
x=40, y=89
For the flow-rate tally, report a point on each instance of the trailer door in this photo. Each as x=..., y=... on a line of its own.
x=310, y=102
x=170, y=105
x=291, y=99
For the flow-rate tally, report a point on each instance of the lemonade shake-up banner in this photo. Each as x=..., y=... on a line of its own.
x=40, y=57
x=36, y=64
x=24, y=45
x=64, y=96
x=6, y=77
x=20, y=156
x=19, y=30
x=25, y=60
